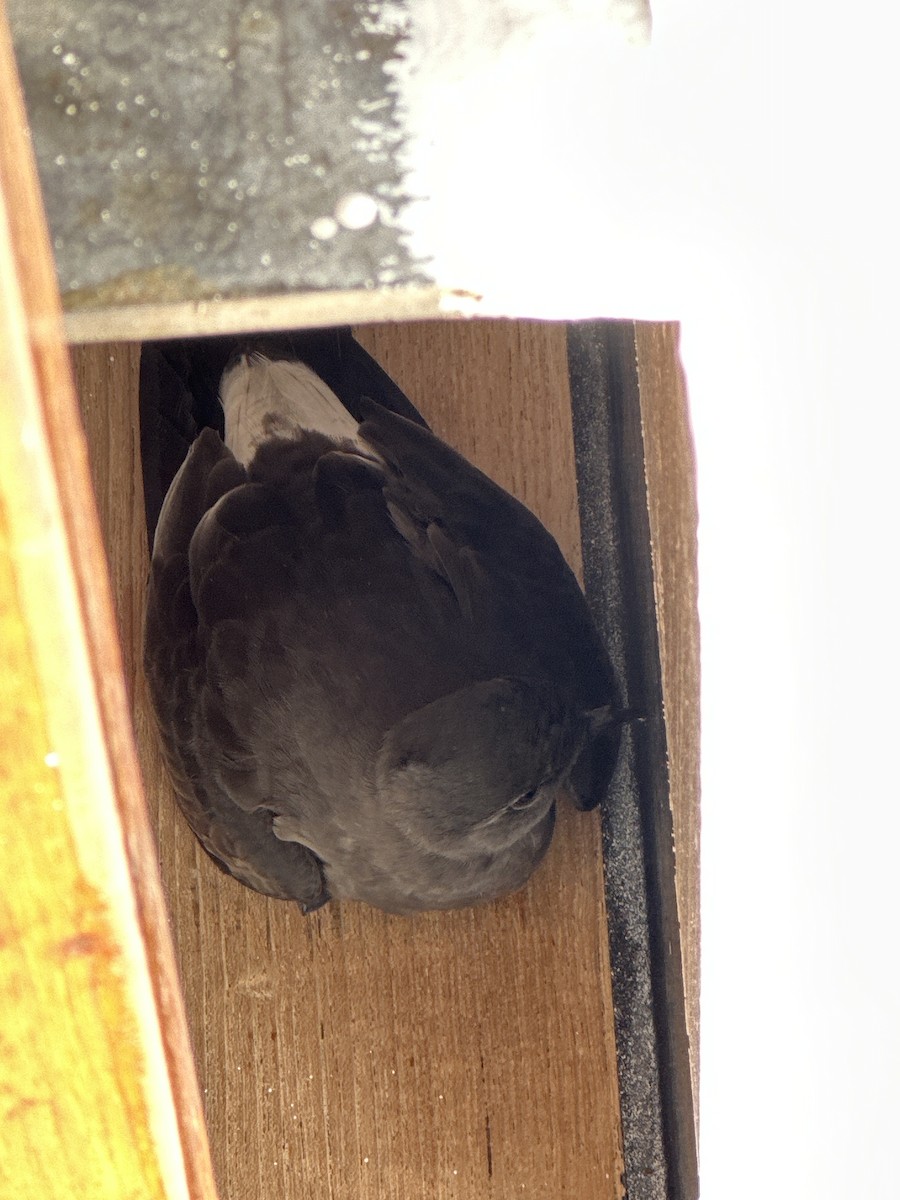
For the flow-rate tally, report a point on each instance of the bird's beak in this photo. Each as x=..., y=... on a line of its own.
x=600, y=719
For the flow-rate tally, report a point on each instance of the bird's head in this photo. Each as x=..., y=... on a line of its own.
x=473, y=772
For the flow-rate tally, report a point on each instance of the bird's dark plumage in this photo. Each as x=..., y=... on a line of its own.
x=373, y=671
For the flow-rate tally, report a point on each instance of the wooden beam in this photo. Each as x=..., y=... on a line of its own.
x=451, y=1056
x=672, y=504
x=97, y=1091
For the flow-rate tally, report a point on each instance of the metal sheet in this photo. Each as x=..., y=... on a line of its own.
x=189, y=152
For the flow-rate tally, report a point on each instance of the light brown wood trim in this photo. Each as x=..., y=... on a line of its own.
x=672, y=506
x=258, y=314
x=97, y=1086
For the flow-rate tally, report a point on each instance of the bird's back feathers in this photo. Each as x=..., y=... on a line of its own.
x=311, y=590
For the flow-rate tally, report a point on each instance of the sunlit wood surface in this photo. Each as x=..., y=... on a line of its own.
x=97, y=1091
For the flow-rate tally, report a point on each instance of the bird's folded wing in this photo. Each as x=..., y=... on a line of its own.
x=226, y=799
x=208, y=472
x=506, y=567
x=507, y=572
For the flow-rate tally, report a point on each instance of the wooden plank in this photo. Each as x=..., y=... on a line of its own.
x=672, y=502
x=97, y=1092
x=261, y=314
x=350, y=1053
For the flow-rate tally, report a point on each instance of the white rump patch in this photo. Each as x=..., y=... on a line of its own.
x=264, y=397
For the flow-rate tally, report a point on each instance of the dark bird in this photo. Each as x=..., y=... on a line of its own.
x=373, y=672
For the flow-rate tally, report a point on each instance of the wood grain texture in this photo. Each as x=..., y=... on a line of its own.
x=71, y=1104
x=351, y=1054
x=97, y=1091
x=672, y=501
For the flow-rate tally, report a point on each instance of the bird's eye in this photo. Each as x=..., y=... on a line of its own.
x=525, y=799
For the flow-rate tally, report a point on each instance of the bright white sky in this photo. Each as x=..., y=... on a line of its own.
x=742, y=176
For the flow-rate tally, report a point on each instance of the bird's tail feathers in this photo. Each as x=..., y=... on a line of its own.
x=264, y=398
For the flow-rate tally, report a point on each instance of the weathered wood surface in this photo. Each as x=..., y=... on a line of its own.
x=97, y=1091
x=353, y=1054
x=672, y=501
